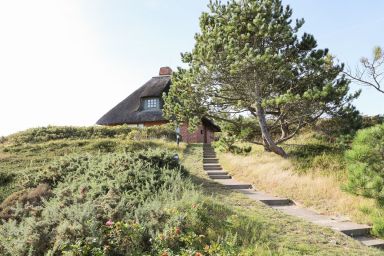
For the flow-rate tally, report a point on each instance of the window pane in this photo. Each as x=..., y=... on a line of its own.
x=152, y=103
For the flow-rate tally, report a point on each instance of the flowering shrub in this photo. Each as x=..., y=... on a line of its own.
x=140, y=203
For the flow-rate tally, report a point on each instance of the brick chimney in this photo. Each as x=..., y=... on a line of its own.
x=165, y=71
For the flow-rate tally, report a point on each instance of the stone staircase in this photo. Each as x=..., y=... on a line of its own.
x=358, y=231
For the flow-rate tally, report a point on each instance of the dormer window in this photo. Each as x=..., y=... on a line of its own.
x=151, y=103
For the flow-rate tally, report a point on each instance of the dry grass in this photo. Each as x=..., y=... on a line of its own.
x=4, y=156
x=277, y=176
x=285, y=235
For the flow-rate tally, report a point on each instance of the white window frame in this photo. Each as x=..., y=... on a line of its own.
x=151, y=103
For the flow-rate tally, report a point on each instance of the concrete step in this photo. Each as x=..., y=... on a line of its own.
x=211, y=173
x=210, y=168
x=371, y=241
x=209, y=156
x=211, y=165
x=232, y=184
x=220, y=177
x=340, y=224
x=210, y=160
x=353, y=229
x=265, y=198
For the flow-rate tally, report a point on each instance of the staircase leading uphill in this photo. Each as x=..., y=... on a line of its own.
x=358, y=231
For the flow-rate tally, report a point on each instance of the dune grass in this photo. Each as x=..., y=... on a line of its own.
x=286, y=235
x=313, y=176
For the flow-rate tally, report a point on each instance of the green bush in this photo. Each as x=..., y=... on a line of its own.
x=80, y=193
x=378, y=226
x=227, y=144
x=51, y=133
x=369, y=121
x=365, y=163
x=5, y=178
x=134, y=203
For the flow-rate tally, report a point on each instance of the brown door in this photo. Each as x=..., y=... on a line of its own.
x=205, y=135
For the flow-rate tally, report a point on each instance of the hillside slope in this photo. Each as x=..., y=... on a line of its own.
x=111, y=191
x=314, y=176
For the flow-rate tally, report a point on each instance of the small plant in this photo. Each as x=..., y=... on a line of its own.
x=366, y=163
x=105, y=145
x=227, y=144
x=5, y=178
x=378, y=226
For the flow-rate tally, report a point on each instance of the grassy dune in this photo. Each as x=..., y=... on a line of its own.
x=313, y=176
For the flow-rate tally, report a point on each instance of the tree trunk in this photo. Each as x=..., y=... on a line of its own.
x=268, y=142
x=265, y=145
x=284, y=129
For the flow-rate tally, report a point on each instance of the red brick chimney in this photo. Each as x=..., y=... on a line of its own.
x=165, y=71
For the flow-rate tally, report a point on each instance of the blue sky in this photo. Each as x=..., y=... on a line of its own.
x=67, y=62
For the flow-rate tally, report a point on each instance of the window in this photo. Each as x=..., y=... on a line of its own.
x=152, y=103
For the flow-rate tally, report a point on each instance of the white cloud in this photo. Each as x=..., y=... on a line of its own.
x=51, y=67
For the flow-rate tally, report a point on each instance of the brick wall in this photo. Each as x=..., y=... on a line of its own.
x=197, y=136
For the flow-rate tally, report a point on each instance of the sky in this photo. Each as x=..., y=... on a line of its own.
x=67, y=62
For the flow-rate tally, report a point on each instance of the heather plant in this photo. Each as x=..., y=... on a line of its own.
x=52, y=133
x=80, y=193
x=128, y=203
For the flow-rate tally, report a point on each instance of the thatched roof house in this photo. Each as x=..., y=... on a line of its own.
x=144, y=108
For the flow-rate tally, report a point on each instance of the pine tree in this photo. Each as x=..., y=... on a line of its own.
x=248, y=59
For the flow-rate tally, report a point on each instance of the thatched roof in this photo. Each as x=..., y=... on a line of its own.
x=129, y=111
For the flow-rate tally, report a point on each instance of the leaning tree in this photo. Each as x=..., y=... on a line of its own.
x=248, y=58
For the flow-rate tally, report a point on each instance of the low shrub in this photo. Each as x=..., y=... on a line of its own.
x=366, y=163
x=51, y=133
x=5, y=178
x=24, y=202
x=80, y=193
x=378, y=226
x=369, y=121
x=227, y=144
x=104, y=145
x=134, y=203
